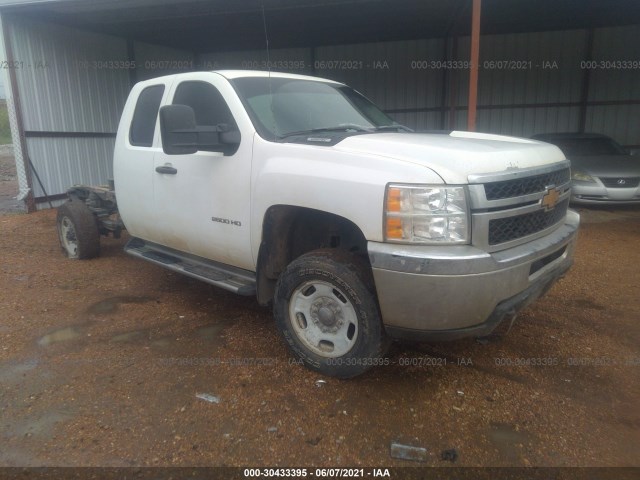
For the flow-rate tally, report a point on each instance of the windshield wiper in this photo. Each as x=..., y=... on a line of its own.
x=345, y=127
x=395, y=126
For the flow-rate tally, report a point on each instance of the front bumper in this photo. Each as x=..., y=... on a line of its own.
x=440, y=292
x=598, y=194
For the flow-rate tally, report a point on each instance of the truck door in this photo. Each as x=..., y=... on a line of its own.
x=203, y=203
x=137, y=143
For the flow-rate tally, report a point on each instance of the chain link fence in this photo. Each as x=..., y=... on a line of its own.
x=23, y=182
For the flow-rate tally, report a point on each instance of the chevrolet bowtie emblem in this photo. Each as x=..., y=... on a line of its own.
x=550, y=199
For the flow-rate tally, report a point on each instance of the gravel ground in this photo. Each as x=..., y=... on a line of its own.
x=101, y=363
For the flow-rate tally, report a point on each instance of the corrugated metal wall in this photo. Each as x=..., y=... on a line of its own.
x=155, y=61
x=66, y=88
x=616, y=83
x=388, y=74
x=74, y=84
x=529, y=83
x=528, y=70
x=292, y=60
x=67, y=161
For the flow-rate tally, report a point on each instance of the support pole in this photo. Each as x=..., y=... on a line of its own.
x=475, y=64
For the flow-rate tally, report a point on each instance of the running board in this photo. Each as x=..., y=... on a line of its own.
x=242, y=282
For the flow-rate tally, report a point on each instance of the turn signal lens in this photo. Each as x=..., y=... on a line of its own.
x=394, y=201
x=394, y=228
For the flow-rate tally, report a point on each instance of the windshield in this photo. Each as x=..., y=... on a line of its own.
x=584, y=147
x=283, y=106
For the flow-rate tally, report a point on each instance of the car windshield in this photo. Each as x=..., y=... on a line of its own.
x=281, y=107
x=584, y=147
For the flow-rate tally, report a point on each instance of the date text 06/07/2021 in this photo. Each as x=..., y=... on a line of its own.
x=317, y=472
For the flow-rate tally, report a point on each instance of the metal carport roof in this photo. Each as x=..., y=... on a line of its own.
x=220, y=25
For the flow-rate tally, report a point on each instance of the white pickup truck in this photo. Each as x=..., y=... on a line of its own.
x=302, y=192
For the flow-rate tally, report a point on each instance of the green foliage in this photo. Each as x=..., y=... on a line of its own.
x=5, y=130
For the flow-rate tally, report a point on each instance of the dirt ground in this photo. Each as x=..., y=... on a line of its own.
x=101, y=363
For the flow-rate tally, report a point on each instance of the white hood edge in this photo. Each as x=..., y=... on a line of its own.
x=456, y=156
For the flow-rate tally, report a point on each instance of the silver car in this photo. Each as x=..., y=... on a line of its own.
x=602, y=171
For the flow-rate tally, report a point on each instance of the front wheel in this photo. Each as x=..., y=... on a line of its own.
x=325, y=307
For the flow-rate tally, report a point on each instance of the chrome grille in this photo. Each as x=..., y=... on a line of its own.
x=525, y=186
x=620, y=182
x=502, y=230
x=501, y=221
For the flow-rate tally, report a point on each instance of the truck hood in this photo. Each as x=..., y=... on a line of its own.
x=457, y=155
x=607, y=165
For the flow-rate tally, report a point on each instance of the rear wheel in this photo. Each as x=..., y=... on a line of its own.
x=326, y=309
x=78, y=231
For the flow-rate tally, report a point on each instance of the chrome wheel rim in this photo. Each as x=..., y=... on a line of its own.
x=323, y=319
x=68, y=237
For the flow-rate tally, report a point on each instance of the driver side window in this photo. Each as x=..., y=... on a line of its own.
x=210, y=108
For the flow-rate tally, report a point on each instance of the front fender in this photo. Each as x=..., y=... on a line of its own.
x=349, y=185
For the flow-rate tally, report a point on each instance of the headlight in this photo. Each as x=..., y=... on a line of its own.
x=579, y=176
x=426, y=214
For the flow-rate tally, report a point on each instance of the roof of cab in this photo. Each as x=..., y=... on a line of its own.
x=233, y=74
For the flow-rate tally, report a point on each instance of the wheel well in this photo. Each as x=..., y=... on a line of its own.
x=289, y=232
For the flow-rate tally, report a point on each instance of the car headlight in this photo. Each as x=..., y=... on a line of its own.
x=579, y=176
x=426, y=214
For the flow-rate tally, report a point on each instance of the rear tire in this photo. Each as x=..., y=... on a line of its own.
x=326, y=309
x=78, y=231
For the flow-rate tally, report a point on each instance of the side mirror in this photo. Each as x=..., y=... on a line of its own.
x=229, y=137
x=178, y=130
x=181, y=136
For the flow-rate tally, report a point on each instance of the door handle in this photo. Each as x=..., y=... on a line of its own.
x=166, y=170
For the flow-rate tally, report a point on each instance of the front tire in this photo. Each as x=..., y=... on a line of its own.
x=326, y=309
x=78, y=231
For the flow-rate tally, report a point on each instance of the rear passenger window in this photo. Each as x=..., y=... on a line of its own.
x=209, y=107
x=145, y=115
